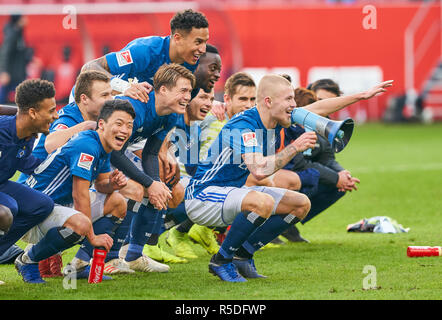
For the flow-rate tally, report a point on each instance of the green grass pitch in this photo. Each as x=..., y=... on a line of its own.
x=400, y=168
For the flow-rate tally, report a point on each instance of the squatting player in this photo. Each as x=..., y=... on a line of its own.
x=172, y=92
x=66, y=176
x=216, y=195
x=36, y=111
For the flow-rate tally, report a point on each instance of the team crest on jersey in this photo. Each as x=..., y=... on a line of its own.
x=124, y=58
x=61, y=126
x=249, y=139
x=85, y=161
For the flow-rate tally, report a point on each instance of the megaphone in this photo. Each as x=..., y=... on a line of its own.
x=338, y=133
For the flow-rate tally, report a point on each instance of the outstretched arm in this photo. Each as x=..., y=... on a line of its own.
x=328, y=106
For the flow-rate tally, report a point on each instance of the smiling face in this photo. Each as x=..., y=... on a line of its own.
x=191, y=45
x=177, y=97
x=208, y=71
x=43, y=116
x=282, y=105
x=244, y=98
x=200, y=106
x=115, y=131
x=100, y=93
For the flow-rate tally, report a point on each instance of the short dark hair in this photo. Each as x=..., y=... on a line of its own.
x=210, y=48
x=30, y=93
x=327, y=85
x=235, y=80
x=168, y=74
x=110, y=106
x=83, y=84
x=188, y=19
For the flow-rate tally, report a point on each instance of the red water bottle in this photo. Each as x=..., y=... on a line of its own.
x=97, y=267
x=424, y=251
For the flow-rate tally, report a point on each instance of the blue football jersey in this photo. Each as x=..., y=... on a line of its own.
x=15, y=153
x=141, y=58
x=224, y=166
x=147, y=122
x=69, y=116
x=188, y=143
x=82, y=156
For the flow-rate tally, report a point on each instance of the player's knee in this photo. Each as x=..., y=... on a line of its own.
x=120, y=206
x=302, y=207
x=116, y=205
x=261, y=203
x=177, y=196
x=79, y=223
x=138, y=192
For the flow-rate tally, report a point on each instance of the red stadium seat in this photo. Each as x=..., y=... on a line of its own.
x=74, y=1
x=42, y=1
x=106, y=1
x=12, y=1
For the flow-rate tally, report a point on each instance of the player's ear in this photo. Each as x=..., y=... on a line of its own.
x=83, y=98
x=101, y=123
x=177, y=36
x=227, y=98
x=32, y=112
x=268, y=101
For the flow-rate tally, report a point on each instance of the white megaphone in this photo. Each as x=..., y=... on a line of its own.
x=338, y=133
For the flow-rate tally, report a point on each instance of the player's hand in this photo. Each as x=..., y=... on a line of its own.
x=346, y=182
x=89, y=125
x=219, y=110
x=159, y=195
x=175, y=178
x=102, y=240
x=170, y=167
x=305, y=141
x=139, y=91
x=117, y=180
x=376, y=90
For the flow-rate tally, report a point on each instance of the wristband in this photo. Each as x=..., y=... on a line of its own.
x=119, y=84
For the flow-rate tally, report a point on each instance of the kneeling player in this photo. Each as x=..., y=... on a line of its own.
x=66, y=176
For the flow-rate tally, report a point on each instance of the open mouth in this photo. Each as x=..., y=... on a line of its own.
x=183, y=106
x=195, y=57
x=204, y=111
x=120, y=140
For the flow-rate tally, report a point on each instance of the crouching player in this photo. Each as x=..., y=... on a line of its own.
x=66, y=176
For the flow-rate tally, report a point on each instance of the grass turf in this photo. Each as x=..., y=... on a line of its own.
x=400, y=167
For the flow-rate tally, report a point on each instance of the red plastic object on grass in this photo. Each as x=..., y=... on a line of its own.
x=424, y=251
x=97, y=267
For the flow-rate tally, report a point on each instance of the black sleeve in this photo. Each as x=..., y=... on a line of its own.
x=326, y=175
x=121, y=162
x=149, y=159
x=327, y=156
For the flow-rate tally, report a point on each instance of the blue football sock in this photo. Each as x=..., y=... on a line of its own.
x=107, y=224
x=157, y=229
x=241, y=228
x=134, y=252
x=56, y=240
x=142, y=226
x=120, y=235
x=273, y=227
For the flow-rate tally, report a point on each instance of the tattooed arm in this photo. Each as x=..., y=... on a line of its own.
x=99, y=64
x=261, y=167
